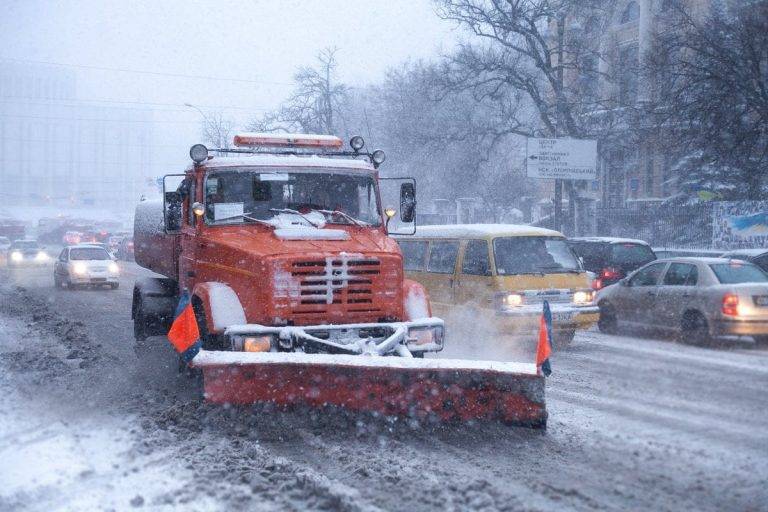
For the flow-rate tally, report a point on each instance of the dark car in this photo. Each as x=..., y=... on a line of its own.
x=611, y=259
x=757, y=256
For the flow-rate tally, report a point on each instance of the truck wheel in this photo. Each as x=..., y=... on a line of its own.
x=139, y=322
x=562, y=339
x=210, y=341
x=761, y=340
x=114, y=286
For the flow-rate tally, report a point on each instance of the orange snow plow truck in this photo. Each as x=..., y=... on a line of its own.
x=299, y=294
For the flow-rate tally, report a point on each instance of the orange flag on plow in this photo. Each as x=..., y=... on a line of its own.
x=184, y=334
x=544, y=349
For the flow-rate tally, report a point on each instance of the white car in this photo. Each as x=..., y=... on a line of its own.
x=85, y=265
x=699, y=298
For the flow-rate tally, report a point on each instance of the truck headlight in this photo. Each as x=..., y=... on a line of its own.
x=255, y=343
x=113, y=268
x=16, y=256
x=425, y=338
x=79, y=268
x=583, y=297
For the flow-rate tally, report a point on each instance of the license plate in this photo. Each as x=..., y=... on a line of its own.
x=762, y=300
x=562, y=316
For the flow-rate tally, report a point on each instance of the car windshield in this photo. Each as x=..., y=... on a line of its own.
x=631, y=254
x=737, y=272
x=24, y=245
x=533, y=255
x=236, y=196
x=88, y=253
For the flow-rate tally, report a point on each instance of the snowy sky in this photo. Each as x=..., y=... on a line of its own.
x=258, y=42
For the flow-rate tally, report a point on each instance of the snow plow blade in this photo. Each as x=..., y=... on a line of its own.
x=440, y=389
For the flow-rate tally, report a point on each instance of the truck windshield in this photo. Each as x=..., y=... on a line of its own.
x=533, y=255
x=241, y=195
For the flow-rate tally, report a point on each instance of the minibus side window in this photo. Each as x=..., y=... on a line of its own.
x=414, y=254
x=442, y=257
x=476, y=262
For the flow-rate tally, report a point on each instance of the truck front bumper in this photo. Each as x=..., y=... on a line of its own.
x=390, y=338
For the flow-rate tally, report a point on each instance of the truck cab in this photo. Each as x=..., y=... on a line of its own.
x=283, y=247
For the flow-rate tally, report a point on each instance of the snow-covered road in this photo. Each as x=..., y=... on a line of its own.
x=89, y=420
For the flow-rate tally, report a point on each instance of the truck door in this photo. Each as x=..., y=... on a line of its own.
x=188, y=256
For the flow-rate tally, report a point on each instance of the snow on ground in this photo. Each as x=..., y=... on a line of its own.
x=90, y=420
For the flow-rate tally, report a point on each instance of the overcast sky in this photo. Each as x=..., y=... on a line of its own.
x=258, y=40
x=260, y=43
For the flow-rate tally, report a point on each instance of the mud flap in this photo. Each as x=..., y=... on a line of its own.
x=439, y=389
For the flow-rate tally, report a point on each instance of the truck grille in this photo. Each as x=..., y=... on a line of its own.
x=340, y=280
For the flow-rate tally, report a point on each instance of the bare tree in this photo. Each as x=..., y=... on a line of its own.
x=217, y=130
x=316, y=102
x=539, y=62
x=712, y=100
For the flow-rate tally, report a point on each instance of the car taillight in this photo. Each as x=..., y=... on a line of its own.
x=597, y=284
x=610, y=273
x=730, y=304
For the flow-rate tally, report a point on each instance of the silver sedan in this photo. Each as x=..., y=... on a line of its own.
x=698, y=298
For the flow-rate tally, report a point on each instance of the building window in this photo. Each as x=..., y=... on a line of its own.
x=588, y=77
x=631, y=13
x=667, y=5
x=627, y=74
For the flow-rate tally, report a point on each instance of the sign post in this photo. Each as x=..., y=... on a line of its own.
x=561, y=159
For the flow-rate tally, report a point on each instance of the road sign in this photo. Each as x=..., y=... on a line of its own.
x=565, y=159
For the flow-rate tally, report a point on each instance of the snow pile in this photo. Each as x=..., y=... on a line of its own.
x=225, y=306
x=309, y=226
x=217, y=358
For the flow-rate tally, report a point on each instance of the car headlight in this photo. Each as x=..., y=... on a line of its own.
x=79, y=268
x=505, y=301
x=113, y=268
x=425, y=338
x=583, y=297
x=41, y=256
x=16, y=256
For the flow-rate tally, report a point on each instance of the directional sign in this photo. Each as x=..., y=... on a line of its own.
x=566, y=159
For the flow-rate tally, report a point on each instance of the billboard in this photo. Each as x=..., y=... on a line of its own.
x=565, y=159
x=740, y=224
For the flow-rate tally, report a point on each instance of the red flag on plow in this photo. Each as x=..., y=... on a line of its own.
x=184, y=334
x=544, y=348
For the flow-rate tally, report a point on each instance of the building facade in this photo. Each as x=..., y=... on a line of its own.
x=60, y=153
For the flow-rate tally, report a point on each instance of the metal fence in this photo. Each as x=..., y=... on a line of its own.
x=688, y=226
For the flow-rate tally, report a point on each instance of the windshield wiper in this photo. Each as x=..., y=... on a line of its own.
x=347, y=216
x=294, y=212
x=246, y=216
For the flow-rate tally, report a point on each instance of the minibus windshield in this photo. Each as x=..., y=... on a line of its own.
x=533, y=255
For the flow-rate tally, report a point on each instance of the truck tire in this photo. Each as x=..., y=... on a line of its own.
x=210, y=341
x=154, y=302
x=139, y=321
x=761, y=340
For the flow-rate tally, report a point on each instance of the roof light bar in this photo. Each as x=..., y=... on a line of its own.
x=287, y=140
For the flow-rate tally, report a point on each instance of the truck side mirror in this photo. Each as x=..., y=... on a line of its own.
x=407, y=202
x=173, y=201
